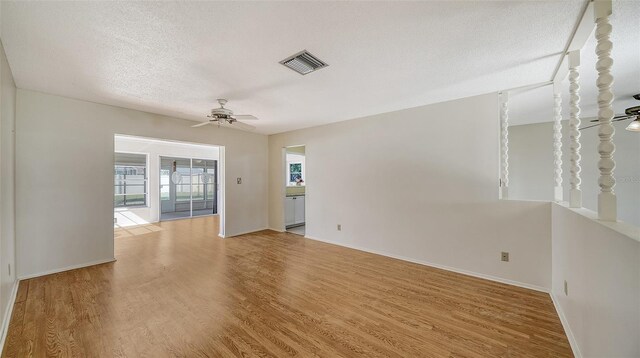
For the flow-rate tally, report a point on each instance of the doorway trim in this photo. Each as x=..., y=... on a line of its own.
x=283, y=185
x=221, y=189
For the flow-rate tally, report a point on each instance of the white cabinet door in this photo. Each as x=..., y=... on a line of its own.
x=289, y=211
x=299, y=210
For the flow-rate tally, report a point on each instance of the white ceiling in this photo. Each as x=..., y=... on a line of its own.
x=536, y=106
x=176, y=58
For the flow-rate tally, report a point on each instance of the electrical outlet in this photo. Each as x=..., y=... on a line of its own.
x=505, y=256
x=339, y=227
x=566, y=288
x=239, y=180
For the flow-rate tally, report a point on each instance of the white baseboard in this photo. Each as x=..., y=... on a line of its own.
x=72, y=267
x=567, y=329
x=443, y=267
x=244, y=232
x=276, y=230
x=7, y=314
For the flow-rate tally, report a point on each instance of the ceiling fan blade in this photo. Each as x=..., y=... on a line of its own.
x=245, y=117
x=615, y=119
x=623, y=118
x=200, y=124
x=587, y=127
x=235, y=125
x=595, y=119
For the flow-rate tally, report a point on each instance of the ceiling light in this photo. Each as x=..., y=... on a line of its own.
x=635, y=125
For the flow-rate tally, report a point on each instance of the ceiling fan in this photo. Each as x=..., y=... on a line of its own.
x=633, y=112
x=629, y=113
x=225, y=117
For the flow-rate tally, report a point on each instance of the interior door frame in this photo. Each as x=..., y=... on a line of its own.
x=221, y=174
x=283, y=184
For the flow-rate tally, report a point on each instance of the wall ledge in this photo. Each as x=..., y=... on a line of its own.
x=620, y=227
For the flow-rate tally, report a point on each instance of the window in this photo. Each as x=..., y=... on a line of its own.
x=165, y=178
x=183, y=188
x=130, y=180
x=197, y=182
x=203, y=179
x=295, y=172
x=295, y=169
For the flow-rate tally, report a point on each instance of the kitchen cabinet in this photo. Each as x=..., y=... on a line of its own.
x=289, y=211
x=294, y=210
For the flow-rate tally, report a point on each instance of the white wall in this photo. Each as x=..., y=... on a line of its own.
x=602, y=269
x=154, y=149
x=531, y=162
x=531, y=166
x=7, y=184
x=423, y=186
x=64, y=176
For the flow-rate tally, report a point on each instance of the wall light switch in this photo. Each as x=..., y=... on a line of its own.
x=239, y=180
x=339, y=227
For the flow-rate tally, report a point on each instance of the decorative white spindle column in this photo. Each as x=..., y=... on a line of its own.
x=504, y=145
x=557, y=143
x=607, y=203
x=575, y=194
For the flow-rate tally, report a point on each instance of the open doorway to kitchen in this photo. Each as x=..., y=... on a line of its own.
x=295, y=189
x=158, y=180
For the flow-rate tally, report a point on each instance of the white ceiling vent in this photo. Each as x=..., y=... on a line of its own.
x=303, y=62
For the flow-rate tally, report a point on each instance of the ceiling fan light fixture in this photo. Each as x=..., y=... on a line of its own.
x=224, y=117
x=635, y=125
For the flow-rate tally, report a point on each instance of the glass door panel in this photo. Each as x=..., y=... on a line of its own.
x=175, y=185
x=203, y=187
x=188, y=187
x=211, y=186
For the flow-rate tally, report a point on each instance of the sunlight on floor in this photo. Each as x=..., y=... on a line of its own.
x=125, y=218
x=121, y=232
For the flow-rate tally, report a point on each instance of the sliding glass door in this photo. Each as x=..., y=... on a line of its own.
x=188, y=187
x=203, y=187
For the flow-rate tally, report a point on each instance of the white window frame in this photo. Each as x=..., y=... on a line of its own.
x=146, y=182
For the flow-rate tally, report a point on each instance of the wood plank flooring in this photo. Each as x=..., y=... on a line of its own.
x=177, y=290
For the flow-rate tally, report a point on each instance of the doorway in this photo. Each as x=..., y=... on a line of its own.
x=188, y=187
x=143, y=189
x=295, y=190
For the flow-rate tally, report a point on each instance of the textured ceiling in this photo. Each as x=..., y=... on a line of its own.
x=536, y=106
x=176, y=58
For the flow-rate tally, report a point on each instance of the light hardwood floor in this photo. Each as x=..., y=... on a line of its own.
x=179, y=290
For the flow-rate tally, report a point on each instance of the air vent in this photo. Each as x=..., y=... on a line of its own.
x=303, y=62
